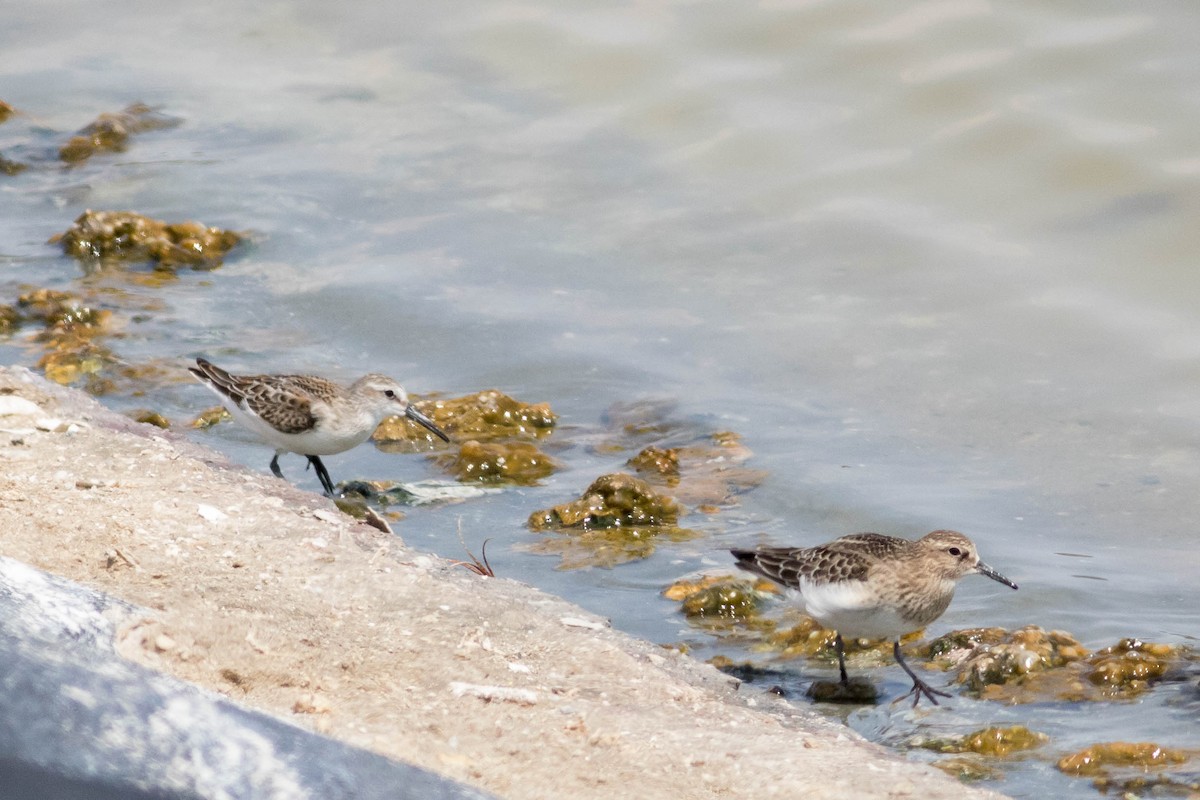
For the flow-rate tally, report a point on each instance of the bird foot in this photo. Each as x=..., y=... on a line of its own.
x=920, y=688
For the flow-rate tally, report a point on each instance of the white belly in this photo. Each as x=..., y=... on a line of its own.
x=853, y=611
x=323, y=440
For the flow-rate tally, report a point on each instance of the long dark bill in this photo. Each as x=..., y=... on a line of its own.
x=984, y=569
x=416, y=416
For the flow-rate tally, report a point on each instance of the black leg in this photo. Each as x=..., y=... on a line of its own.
x=275, y=466
x=322, y=474
x=920, y=687
x=840, y=647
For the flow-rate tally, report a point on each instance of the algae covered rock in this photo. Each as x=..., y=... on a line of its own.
x=1009, y=661
x=657, y=461
x=722, y=598
x=612, y=501
x=484, y=416
x=6, y=111
x=1099, y=758
x=1033, y=665
x=62, y=310
x=518, y=463
x=129, y=237
x=10, y=319
x=618, y=519
x=994, y=741
x=210, y=417
x=1128, y=666
x=69, y=338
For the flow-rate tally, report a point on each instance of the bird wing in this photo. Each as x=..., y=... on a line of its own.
x=282, y=401
x=842, y=560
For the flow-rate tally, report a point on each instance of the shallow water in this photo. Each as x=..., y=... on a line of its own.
x=935, y=264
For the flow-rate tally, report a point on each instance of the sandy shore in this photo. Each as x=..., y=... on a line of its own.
x=273, y=598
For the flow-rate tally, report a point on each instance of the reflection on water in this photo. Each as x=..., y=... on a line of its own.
x=934, y=264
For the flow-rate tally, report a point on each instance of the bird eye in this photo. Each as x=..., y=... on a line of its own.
x=954, y=551
x=388, y=393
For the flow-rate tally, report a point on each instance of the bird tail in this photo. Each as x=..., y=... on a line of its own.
x=210, y=374
x=772, y=563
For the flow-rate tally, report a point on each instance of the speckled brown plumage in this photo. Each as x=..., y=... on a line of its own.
x=310, y=415
x=873, y=586
x=282, y=401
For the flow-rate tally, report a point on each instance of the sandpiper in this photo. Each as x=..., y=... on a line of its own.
x=309, y=415
x=871, y=586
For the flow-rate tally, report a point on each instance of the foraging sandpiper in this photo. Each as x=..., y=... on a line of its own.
x=309, y=415
x=871, y=586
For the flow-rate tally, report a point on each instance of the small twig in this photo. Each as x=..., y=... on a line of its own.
x=475, y=565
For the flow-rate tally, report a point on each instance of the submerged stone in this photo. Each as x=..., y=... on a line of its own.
x=129, y=237
x=110, y=133
x=969, y=769
x=606, y=547
x=857, y=690
x=150, y=418
x=10, y=319
x=10, y=167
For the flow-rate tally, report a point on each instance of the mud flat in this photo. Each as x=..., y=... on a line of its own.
x=247, y=588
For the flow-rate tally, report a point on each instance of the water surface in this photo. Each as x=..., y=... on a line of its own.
x=935, y=264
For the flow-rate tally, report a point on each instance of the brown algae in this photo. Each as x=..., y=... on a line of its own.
x=612, y=501
x=482, y=416
x=519, y=463
x=1034, y=665
x=1101, y=757
x=108, y=237
x=996, y=741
